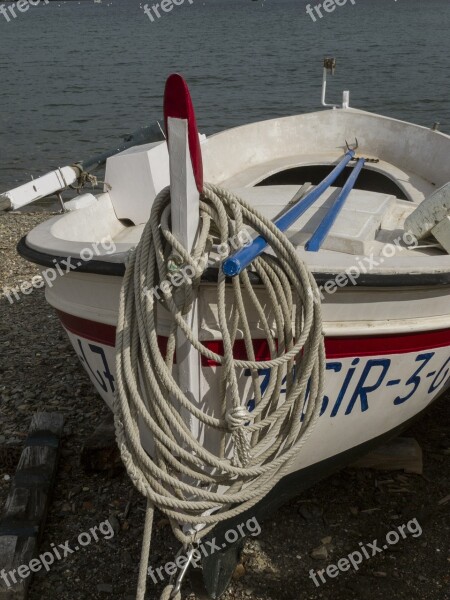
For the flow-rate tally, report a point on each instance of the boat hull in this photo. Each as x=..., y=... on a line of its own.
x=373, y=384
x=217, y=569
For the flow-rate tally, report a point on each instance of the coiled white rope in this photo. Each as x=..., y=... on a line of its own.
x=182, y=479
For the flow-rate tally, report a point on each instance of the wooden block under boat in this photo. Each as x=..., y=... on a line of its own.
x=23, y=519
x=399, y=454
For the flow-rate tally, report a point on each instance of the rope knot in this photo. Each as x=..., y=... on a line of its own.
x=237, y=417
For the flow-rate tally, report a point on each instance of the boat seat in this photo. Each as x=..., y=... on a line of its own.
x=354, y=229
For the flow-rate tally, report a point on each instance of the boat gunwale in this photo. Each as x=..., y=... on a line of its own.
x=117, y=269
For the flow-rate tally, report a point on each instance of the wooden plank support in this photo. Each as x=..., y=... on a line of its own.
x=100, y=451
x=399, y=454
x=23, y=520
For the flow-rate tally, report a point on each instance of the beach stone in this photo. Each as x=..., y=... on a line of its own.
x=114, y=522
x=319, y=553
x=239, y=571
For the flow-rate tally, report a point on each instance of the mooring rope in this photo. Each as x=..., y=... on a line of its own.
x=183, y=478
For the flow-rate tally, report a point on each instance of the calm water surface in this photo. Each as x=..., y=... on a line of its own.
x=77, y=76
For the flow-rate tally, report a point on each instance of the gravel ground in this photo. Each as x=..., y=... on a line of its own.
x=39, y=371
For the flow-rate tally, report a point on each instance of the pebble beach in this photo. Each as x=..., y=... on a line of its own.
x=40, y=372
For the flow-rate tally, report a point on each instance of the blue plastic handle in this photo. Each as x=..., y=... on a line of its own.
x=233, y=265
x=318, y=237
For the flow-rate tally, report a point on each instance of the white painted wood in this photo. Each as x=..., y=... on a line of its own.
x=346, y=313
x=420, y=153
x=134, y=178
x=185, y=219
x=78, y=202
x=429, y=213
x=40, y=188
x=442, y=233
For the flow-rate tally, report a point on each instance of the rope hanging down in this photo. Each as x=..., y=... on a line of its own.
x=182, y=479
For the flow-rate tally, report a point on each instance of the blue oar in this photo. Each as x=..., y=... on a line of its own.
x=233, y=265
x=318, y=237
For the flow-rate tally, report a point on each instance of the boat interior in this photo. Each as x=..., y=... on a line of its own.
x=266, y=164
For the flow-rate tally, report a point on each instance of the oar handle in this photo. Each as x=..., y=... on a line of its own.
x=318, y=237
x=233, y=265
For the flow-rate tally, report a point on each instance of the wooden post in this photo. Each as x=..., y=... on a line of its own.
x=186, y=183
x=23, y=519
x=185, y=217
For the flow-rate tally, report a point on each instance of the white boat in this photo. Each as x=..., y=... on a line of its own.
x=384, y=284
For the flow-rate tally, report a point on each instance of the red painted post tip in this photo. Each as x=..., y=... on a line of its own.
x=178, y=105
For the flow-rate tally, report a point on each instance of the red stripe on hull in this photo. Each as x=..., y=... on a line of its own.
x=89, y=330
x=336, y=347
x=97, y=332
